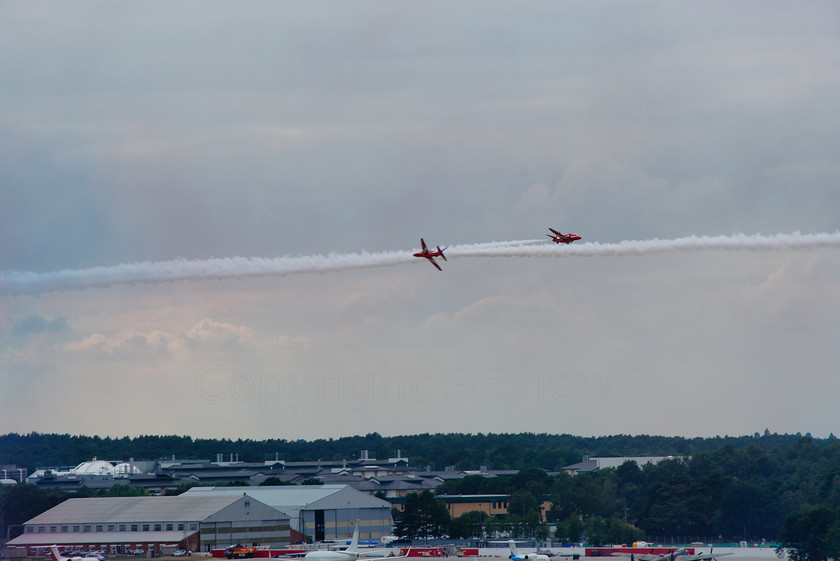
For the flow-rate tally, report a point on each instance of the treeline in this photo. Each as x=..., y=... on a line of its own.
x=789, y=493
x=727, y=494
x=463, y=451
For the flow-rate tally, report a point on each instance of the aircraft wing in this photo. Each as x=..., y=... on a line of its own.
x=432, y=261
x=389, y=557
x=703, y=556
x=642, y=556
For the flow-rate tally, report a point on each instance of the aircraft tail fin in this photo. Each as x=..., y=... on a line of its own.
x=56, y=556
x=441, y=252
x=514, y=553
x=354, y=543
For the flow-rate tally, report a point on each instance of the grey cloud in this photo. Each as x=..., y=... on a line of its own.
x=39, y=324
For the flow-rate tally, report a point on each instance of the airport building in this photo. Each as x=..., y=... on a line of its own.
x=123, y=524
x=319, y=512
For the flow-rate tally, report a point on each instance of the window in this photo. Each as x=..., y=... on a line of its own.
x=65, y=529
x=122, y=527
x=53, y=529
x=30, y=529
x=193, y=526
x=169, y=527
x=145, y=527
x=77, y=528
x=41, y=529
x=99, y=527
x=111, y=527
x=181, y=527
x=86, y=528
x=134, y=527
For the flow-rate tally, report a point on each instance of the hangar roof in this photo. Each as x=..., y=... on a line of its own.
x=135, y=509
x=99, y=537
x=291, y=499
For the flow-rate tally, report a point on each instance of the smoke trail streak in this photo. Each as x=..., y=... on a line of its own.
x=18, y=282
x=737, y=242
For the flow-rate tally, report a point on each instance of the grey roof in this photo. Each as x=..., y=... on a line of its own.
x=182, y=508
x=348, y=497
x=592, y=464
x=291, y=499
x=100, y=537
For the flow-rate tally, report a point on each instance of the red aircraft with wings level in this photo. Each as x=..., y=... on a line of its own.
x=557, y=237
x=430, y=255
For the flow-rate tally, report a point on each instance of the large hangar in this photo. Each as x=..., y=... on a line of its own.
x=319, y=512
x=121, y=524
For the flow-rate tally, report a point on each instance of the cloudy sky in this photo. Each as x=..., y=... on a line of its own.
x=146, y=132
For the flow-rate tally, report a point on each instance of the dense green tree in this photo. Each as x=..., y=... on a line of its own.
x=468, y=525
x=523, y=503
x=274, y=481
x=422, y=517
x=811, y=534
x=23, y=501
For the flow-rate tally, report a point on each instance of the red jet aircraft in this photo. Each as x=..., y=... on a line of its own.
x=557, y=237
x=430, y=255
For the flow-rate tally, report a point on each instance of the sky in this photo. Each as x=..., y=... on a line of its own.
x=160, y=136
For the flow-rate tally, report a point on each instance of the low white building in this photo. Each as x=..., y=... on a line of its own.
x=122, y=524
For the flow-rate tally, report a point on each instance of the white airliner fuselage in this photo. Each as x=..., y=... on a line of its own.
x=516, y=556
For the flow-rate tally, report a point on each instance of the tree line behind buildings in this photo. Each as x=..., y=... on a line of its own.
x=778, y=488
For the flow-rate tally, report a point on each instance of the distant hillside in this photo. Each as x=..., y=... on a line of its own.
x=496, y=451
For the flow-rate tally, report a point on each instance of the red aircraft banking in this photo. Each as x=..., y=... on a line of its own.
x=430, y=255
x=557, y=237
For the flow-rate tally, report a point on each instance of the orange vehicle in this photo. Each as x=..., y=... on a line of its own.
x=239, y=551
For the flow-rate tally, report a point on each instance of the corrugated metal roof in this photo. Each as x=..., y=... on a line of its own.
x=349, y=497
x=100, y=538
x=182, y=508
x=291, y=499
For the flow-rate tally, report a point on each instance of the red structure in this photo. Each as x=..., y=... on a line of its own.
x=424, y=551
x=608, y=551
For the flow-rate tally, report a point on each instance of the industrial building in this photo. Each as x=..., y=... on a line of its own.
x=319, y=512
x=123, y=524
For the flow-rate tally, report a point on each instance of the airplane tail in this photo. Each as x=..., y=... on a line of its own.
x=441, y=252
x=354, y=543
x=56, y=556
x=514, y=553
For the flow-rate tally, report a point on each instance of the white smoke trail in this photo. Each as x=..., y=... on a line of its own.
x=18, y=282
x=736, y=242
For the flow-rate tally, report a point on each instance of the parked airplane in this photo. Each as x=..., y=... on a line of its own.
x=711, y=556
x=677, y=554
x=557, y=237
x=56, y=555
x=516, y=556
x=430, y=255
x=351, y=553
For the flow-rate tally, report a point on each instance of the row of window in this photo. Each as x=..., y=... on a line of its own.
x=85, y=528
